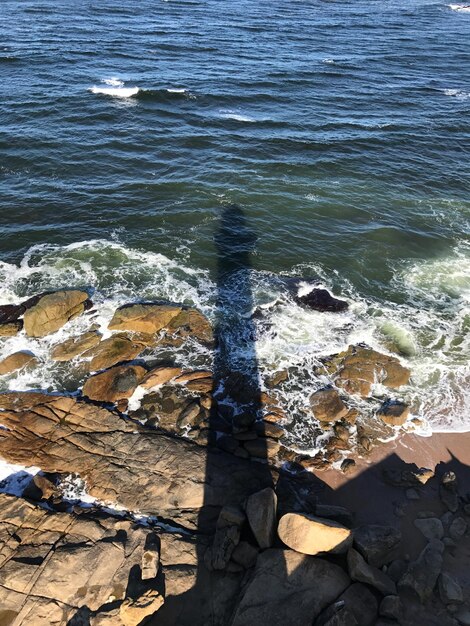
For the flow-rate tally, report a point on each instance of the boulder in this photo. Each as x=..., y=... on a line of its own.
x=115, y=349
x=327, y=405
x=391, y=607
x=75, y=346
x=133, y=610
x=430, y=527
x=262, y=448
x=355, y=606
x=448, y=491
x=160, y=375
x=289, y=588
x=449, y=589
x=121, y=462
x=10, y=329
x=245, y=554
x=17, y=361
x=364, y=573
x=322, y=300
x=261, y=513
x=313, y=535
x=151, y=318
x=393, y=412
x=376, y=542
x=457, y=529
x=422, y=574
x=115, y=384
x=337, y=513
x=53, y=310
x=359, y=367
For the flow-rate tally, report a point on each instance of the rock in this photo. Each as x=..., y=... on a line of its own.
x=268, y=429
x=54, y=310
x=40, y=488
x=376, y=542
x=277, y=378
x=337, y=513
x=458, y=528
x=11, y=329
x=115, y=456
x=360, y=367
x=412, y=494
x=364, y=573
x=462, y=615
x=115, y=349
x=245, y=554
x=226, y=539
x=396, y=569
x=133, y=611
x=422, y=574
x=313, y=535
x=54, y=563
x=408, y=477
x=448, y=491
x=327, y=405
x=356, y=605
x=391, y=607
x=150, y=561
x=17, y=361
x=75, y=346
x=114, y=384
x=152, y=318
x=289, y=588
x=262, y=448
x=322, y=300
x=159, y=376
x=348, y=466
x=431, y=527
x=261, y=513
x=393, y=412
x=449, y=589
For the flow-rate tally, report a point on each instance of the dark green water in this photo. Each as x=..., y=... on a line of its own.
x=339, y=128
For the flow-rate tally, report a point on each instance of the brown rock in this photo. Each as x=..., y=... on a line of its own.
x=114, y=384
x=327, y=405
x=10, y=328
x=313, y=535
x=277, y=378
x=360, y=367
x=160, y=376
x=201, y=385
x=393, y=413
x=268, y=429
x=54, y=310
x=115, y=349
x=75, y=346
x=262, y=448
x=191, y=323
x=143, y=318
x=122, y=463
x=17, y=361
x=54, y=563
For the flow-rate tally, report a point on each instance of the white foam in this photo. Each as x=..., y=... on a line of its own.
x=113, y=82
x=177, y=90
x=460, y=94
x=233, y=115
x=117, y=92
x=464, y=8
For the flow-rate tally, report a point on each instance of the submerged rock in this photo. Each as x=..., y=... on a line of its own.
x=313, y=535
x=53, y=310
x=322, y=300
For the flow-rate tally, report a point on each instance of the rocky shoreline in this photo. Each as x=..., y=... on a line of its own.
x=197, y=499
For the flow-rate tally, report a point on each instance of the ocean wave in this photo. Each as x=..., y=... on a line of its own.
x=460, y=94
x=429, y=330
x=464, y=8
x=116, y=92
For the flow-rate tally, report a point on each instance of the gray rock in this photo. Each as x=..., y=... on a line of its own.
x=396, y=569
x=245, y=554
x=361, y=602
x=289, y=588
x=449, y=589
x=463, y=616
x=458, y=528
x=412, y=494
x=376, y=542
x=261, y=512
x=337, y=614
x=421, y=575
x=363, y=572
x=337, y=513
x=448, y=491
x=391, y=607
x=430, y=527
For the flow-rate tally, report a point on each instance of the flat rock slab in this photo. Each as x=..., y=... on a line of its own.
x=53, y=564
x=313, y=535
x=121, y=462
